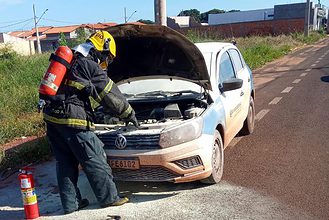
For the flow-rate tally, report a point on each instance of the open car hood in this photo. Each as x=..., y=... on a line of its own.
x=153, y=51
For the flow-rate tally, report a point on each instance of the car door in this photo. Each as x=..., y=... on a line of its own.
x=242, y=73
x=231, y=99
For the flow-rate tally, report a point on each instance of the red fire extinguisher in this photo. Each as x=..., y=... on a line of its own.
x=60, y=63
x=30, y=202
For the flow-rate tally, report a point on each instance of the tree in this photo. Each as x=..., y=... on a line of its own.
x=192, y=12
x=204, y=16
x=234, y=10
x=81, y=35
x=145, y=21
x=62, y=39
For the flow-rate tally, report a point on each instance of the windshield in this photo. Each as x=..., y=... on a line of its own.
x=159, y=86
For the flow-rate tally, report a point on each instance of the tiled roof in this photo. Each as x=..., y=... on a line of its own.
x=63, y=29
x=26, y=34
x=42, y=29
x=21, y=34
x=16, y=33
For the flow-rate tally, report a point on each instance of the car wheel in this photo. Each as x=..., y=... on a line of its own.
x=217, y=161
x=249, y=123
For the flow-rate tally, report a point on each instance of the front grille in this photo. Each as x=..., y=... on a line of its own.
x=134, y=142
x=147, y=174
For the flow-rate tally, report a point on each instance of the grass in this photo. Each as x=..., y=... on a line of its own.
x=265, y=49
x=19, y=81
x=259, y=50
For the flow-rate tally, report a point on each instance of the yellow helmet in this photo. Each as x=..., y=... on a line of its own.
x=103, y=41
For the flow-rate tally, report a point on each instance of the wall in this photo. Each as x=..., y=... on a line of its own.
x=290, y=11
x=272, y=27
x=21, y=46
x=241, y=16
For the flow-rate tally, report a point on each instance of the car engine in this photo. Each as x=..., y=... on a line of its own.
x=149, y=111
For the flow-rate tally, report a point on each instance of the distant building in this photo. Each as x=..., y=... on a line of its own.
x=49, y=36
x=318, y=15
x=181, y=22
x=241, y=16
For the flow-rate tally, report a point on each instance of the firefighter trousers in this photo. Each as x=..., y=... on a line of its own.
x=73, y=147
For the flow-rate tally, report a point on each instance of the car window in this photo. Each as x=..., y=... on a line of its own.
x=226, y=70
x=236, y=58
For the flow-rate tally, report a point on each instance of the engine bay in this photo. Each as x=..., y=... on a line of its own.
x=159, y=110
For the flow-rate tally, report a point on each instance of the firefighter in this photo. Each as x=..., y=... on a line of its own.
x=70, y=123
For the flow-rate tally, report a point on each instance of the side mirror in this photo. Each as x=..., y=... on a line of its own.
x=231, y=84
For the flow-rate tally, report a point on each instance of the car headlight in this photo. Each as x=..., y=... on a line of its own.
x=182, y=133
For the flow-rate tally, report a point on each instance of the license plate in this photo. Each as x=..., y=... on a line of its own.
x=130, y=164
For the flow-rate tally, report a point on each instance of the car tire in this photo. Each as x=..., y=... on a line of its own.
x=217, y=160
x=249, y=123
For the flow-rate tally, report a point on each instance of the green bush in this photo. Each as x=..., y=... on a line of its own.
x=313, y=37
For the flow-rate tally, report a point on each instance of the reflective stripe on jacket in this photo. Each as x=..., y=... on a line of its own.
x=86, y=79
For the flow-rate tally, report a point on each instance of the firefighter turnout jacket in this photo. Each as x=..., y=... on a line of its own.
x=71, y=105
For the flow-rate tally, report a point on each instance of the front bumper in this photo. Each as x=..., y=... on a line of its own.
x=159, y=165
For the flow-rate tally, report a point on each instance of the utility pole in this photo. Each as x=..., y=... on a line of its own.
x=125, y=14
x=36, y=27
x=307, y=19
x=160, y=12
x=328, y=23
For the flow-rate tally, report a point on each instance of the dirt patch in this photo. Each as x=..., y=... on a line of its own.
x=22, y=152
x=17, y=142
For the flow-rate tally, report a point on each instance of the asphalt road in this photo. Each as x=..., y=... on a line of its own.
x=279, y=172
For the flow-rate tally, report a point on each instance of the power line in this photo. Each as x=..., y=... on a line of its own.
x=8, y=22
x=70, y=22
x=10, y=25
x=25, y=25
x=64, y=22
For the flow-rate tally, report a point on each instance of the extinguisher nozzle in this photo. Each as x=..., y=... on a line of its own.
x=41, y=104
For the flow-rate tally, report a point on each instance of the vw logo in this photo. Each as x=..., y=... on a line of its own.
x=121, y=142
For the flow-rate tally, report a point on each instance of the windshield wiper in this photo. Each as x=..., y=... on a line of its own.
x=185, y=92
x=167, y=94
x=128, y=95
x=154, y=93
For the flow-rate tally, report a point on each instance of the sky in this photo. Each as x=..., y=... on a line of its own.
x=18, y=14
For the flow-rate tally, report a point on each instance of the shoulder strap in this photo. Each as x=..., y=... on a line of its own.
x=60, y=60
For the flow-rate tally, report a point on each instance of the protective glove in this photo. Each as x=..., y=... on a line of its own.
x=132, y=118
